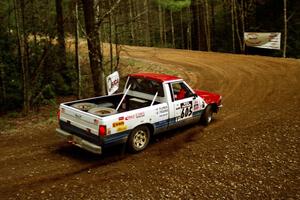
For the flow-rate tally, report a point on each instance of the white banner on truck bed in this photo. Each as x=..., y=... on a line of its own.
x=263, y=40
x=112, y=83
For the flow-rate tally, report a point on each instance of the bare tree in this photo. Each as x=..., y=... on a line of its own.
x=213, y=24
x=110, y=40
x=77, y=61
x=285, y=28
x=236, y=19
x=60, y=34
x=117, y=46
x=164, y=26
x=189, y=29
x=2, y=85
x=172, y=29
x=161, y=27
x=132, y=28
x=22, y=51
x=198, y=23
x=233, y=24
x=93, y=40
x=181, y=29
x=147, y=34
x=207, y=26
x=242, y=10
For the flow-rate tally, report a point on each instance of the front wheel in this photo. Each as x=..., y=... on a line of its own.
x=139, y=138
x=207, y=116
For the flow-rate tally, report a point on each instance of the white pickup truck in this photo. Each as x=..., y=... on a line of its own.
x=150, y=104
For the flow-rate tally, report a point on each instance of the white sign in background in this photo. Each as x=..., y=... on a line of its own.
x=263, y=40
x=112, y=83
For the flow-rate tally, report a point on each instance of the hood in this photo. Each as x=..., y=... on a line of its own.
x=209, y=97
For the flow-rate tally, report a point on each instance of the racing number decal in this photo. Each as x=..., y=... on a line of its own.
x=186, y=109
x=186, y=112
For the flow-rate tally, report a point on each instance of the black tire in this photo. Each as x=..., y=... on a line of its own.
x=207, y=116
x=139, y=139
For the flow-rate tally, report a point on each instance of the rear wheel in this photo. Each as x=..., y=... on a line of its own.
x=207, y=115
x=139, y=138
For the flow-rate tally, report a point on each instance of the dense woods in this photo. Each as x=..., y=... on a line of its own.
x=36, y=62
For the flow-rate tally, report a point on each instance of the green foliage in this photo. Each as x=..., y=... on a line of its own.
x=63, y=80
x=47, y=80
x=12, y=75
x=223, y=29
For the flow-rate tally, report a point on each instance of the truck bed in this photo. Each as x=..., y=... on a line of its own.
x=129, y=103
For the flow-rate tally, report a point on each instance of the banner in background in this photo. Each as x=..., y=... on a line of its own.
x=112, y=83
x=263, y=40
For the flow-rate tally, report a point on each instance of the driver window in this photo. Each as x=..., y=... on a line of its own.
x=181, y=91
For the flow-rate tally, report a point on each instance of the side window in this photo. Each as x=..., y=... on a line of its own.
x=181, y=91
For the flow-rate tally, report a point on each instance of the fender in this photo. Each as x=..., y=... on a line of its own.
x=209, y=97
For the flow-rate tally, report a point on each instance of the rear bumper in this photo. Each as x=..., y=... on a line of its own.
x=79, y=141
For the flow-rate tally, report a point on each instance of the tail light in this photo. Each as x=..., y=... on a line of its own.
x=102, y=130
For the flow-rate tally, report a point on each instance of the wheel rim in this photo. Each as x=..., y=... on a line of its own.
x=140, y=139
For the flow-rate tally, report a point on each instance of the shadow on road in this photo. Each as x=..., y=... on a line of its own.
x=165, y=143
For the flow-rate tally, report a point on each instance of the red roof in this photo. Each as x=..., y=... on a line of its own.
x=155, y=77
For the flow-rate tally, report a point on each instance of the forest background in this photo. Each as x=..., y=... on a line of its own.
x=39, y=40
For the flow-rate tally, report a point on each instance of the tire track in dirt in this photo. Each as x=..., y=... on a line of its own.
x=247, y=153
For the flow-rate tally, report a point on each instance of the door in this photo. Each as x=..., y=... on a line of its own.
x=184, y=103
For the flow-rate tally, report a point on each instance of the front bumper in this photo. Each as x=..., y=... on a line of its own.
x=79, y=142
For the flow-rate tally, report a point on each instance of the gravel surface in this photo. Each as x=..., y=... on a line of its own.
x=250, y=151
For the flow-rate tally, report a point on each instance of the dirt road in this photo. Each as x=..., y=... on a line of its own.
x=251, y=151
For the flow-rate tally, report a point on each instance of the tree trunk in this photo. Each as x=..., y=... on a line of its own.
x=189, y=29
x=23, y=54
x=172, y=29
x=207, y=26
x=93, y=40
x=198, y=24
x=161, y=28
x=77, y=61
x=110, y=40
x=140, y=30
x=147, y=35
x=132, y=28
x=9, y=16
x=213, y=25
x=164, y=26
x=243, y=24
x=237, y=25
x=233, y=26
x=117, y=48
x=285, y=28
x=181, y=30
x=2, y=86
x=60, y=34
